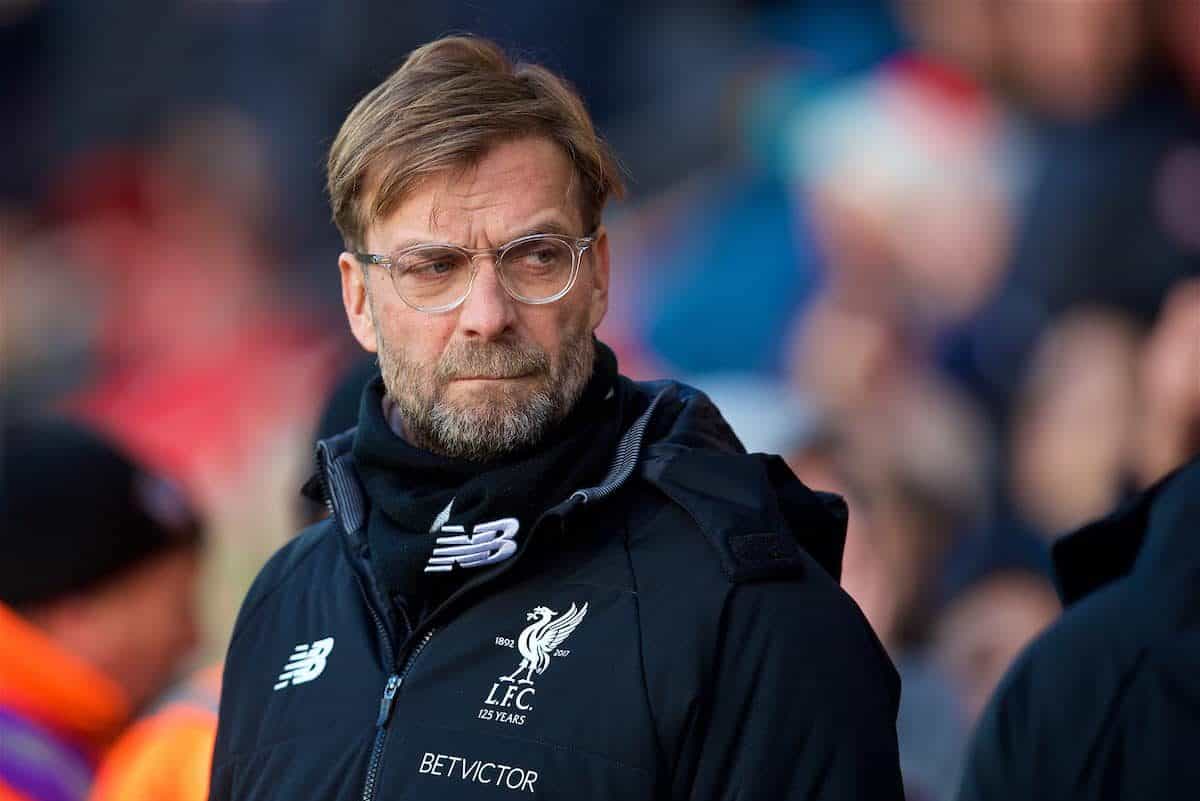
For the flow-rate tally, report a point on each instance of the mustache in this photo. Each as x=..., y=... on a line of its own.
x=492, y=360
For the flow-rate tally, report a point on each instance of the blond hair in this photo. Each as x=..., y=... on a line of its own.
x=451, y=101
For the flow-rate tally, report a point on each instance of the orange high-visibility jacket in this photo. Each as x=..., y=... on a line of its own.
x=57, y=715
x=167, y=755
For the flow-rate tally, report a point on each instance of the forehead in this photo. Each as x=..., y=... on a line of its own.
x=514, y=185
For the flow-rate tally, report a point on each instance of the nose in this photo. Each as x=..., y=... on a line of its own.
x=488, y=311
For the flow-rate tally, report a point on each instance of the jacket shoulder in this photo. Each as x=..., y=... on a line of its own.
x=716, y=628
x=758, y=520
x=1063, y=692
x=312, y=545
x=739, y=563
x=1095, y=633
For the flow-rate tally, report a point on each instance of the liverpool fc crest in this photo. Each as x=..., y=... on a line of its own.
x=541, y=638
x=512, y=695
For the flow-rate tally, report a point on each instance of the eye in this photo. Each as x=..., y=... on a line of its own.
x=434, y=267
x=430, y=266
x=539, y=257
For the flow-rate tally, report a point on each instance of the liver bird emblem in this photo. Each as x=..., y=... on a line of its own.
x=539, y=640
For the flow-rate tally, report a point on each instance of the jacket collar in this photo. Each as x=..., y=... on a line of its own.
x=41, y=679
x=678, y=425
x=338, y=484
x=1152, y=535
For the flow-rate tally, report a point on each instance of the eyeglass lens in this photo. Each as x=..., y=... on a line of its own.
x=434, y=276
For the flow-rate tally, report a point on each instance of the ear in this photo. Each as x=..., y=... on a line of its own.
x=598, y=253
x=357, y=302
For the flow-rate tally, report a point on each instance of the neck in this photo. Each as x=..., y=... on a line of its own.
x=395, y=421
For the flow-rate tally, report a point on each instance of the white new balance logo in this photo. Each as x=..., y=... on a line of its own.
x=306, y=663
x=487, y=544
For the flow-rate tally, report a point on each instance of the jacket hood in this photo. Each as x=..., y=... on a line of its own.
x=1151, y=537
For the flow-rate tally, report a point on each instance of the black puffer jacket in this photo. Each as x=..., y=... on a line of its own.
x=676, y=632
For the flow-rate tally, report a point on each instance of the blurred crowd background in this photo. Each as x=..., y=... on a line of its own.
x=942, y=254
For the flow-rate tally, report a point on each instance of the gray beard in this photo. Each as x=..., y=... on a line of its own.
x=512, y=420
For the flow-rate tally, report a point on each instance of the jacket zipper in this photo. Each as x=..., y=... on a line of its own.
x=388, y=701
x=327, y=494
x=326, y=490
x=386, y=704
x=392, y=687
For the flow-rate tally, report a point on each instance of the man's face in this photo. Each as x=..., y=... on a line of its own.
x=162, y=622
x=981, y=633
x=137, y=628
x=490, y=376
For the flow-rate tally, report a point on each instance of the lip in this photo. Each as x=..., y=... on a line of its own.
x=491, y=377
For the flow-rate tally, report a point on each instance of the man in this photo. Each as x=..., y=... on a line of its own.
x=996, y=595
x=1106, y=703
x=167, y=755
x=539, y=578
x=97, y=608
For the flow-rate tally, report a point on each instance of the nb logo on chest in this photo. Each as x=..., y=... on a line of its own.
x=487, y=544
x=305, y=664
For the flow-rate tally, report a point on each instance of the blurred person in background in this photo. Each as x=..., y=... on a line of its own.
x=97, y=601
x=1168, y=409
x=904, y=175
x=907, y=176
x=371, y=657
x=734, y=212
x=1106, y=703
x=909, y=189
x=1072, y=433
x=1108, y=137
x=996, y=596
x=154, y=302
x=206, y=358
x=167, y=754
x=959, y=35
x=918, y=462
x=1178, y=23
x=880, y=570
x=1071, y=59
x=1105, y=410
x=921, y=460
x=44, y=352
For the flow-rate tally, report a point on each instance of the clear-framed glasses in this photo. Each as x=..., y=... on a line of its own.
x=535, y=269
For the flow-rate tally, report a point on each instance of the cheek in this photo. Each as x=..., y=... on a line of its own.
x=419, y=339
x=164, y=617
x=552, y=326
x=172, y=626
x=168, y=638
x=153, y=646
x=591, y=307
x=551, y=339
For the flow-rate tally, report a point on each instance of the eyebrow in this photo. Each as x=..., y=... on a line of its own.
x=548, y=226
